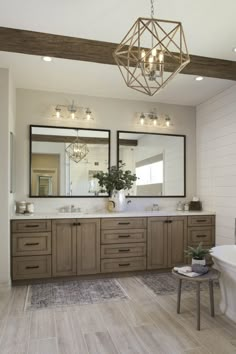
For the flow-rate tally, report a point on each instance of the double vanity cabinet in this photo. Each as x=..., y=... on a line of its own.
x=56, y=247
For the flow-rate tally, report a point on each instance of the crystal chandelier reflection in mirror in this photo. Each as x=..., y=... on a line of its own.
x=72, y=111
x=152, y=53
x=77, y=151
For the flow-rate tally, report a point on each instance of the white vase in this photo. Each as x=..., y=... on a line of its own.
x=117, y=201
x=199, y=261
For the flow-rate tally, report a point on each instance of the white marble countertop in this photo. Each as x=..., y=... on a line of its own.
x=107, y=214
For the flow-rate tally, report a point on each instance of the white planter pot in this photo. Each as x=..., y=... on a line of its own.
x=199, y=261
x=117, y=202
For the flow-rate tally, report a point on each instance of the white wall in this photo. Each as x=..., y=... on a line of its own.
x=6, y=125
x=33, y=107
x=216, y=161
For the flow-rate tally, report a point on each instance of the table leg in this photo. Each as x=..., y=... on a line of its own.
x=198, y=306
x=179, y=295
x=211, y=293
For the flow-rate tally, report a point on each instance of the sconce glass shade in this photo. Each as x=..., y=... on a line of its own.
x=77, y=151
x=151, y=54
x=72, y=112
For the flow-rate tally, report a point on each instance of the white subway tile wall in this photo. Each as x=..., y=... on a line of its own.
x=216, y=161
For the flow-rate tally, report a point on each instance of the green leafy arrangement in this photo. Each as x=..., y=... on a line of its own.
x=198, y=252
x=115, y=179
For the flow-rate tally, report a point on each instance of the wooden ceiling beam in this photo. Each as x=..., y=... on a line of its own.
x=65, y=47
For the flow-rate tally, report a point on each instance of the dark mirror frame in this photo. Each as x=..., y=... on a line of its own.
x=147, y=133
x=73, y=128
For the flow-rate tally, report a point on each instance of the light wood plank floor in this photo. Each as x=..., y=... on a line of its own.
x=145, y=323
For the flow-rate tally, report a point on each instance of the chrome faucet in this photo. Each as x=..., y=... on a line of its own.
x=155, y=207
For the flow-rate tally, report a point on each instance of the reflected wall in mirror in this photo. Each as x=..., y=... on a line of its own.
x=64, y=160
x=158, y=160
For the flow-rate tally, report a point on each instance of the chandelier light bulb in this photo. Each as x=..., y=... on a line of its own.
x=143, y=54
x=154, y=52
x=161, y=57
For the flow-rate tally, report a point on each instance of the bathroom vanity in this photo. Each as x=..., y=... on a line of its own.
x=45, y=246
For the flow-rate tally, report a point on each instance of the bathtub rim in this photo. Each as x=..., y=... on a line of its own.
x=219, y=257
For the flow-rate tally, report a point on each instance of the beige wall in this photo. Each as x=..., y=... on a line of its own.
x=33, y=107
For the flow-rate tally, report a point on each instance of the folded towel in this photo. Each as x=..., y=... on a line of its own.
x=186, y=270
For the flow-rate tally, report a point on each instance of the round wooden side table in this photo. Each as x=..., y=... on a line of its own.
x=209, y=277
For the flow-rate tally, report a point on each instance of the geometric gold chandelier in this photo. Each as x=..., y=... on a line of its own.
x=152, y=53
x=77, y=151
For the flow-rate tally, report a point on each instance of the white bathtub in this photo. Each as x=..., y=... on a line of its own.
x=224, y=258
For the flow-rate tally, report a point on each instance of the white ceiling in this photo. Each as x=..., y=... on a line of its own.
x=209, y=26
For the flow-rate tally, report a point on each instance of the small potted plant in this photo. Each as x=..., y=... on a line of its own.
x=198, y=254
x=115, y=182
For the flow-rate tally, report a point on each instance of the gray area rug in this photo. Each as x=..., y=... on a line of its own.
x=167, y=284
x=76, y=292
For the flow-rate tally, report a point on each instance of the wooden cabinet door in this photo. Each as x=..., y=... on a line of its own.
x=88, y=246
x=64, y=247
x=177, y=240
x=157, y=243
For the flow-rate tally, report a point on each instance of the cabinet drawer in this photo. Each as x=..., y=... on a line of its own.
x=206, y=235
x=31, y=267
x=123, y=250
x=121, y=236
x=31, y=225
x=36, y=243
x=123, y=223
x=201, y=220
x=122, y=265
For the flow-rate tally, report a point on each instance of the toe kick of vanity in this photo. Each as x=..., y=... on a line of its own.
x=60, y=247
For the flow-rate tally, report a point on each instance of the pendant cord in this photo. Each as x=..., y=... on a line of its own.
x=152, y=8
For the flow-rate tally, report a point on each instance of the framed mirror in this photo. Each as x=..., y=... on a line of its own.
x=158, y=160
x=63, y=161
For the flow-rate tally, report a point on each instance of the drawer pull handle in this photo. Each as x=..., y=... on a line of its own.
x=123, y=223
x=201, y=235
x=32, y=244
x=36, y=225
x=32, y=267
x=121, y=236
x=124, y=264
x=124, y=250
x=201, y=220
x=76, y=223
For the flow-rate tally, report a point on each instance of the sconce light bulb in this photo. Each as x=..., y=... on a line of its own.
x=155, y=121
x=58, y=113
x=72, y=115
x=88, y=114
x=142, y=119
x=167, y=121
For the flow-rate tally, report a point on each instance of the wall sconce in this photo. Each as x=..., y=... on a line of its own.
x=154, y=119
x=72, y=112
